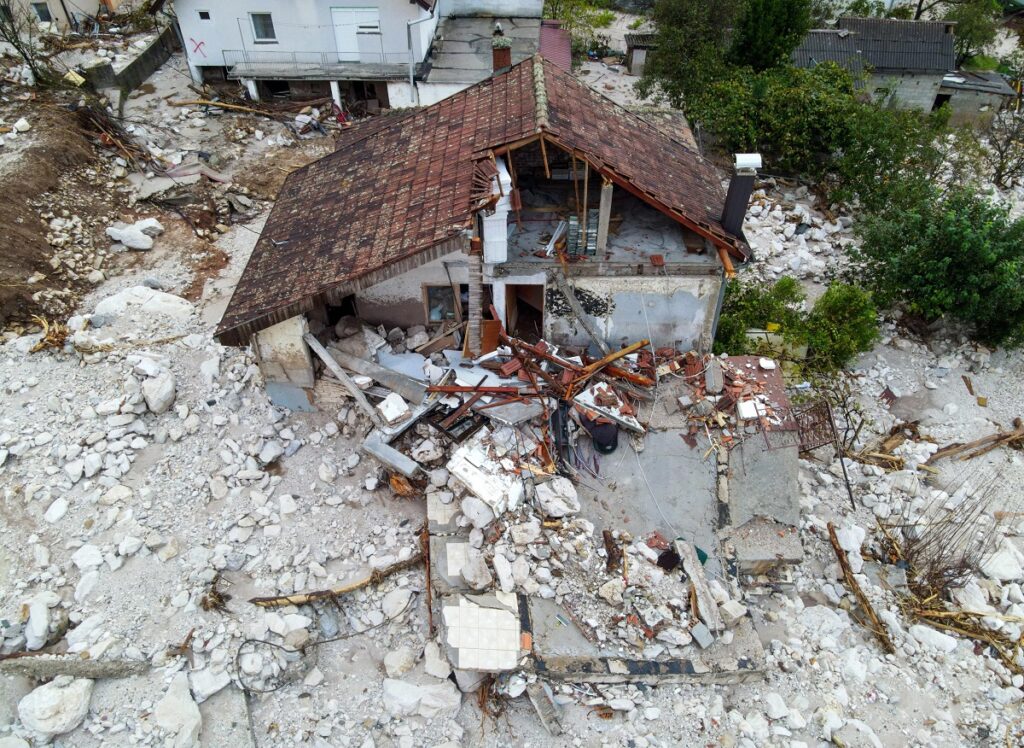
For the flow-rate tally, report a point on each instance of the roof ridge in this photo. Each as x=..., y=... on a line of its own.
x=540, y=93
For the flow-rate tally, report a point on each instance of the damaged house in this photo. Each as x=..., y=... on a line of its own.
x=525, y=278
x=481, y=211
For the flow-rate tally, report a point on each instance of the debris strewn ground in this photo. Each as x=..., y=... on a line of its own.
x=151, y=491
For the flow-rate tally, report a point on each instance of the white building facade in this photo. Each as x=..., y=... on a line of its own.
x=372, y=50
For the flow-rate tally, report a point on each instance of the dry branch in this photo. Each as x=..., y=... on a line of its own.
x=375, y=577
x=985, y=444
x=851, y=581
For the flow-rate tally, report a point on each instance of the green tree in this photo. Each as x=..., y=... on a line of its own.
x=843, y=323
x=977, y=23
x=957, y=255
x=691, y=47
x=751, y=305
x=767, y=31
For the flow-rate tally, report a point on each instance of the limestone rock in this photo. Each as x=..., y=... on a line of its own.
x=56, y=707
x=557, y=497
x=399, y=661
x=178, y=714
x=477, y=512
x=159, y=392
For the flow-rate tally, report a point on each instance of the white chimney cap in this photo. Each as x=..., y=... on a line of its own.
x=748, y=160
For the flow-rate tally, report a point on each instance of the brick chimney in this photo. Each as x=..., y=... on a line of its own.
x=501, y=51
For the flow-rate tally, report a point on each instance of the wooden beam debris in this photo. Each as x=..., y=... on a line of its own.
x=345, y=379
x=877, y=627
x=983, y=445
x=374, y=577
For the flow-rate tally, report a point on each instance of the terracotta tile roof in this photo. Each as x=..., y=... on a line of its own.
x=555, y=44
x=401, y=185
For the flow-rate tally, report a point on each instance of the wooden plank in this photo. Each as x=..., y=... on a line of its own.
x=707, y=608
x=345, y=379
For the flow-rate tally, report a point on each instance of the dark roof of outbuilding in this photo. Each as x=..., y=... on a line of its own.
x=642, y=40
x=401, y=185
x=829, y=45
x=906, y=46
x=984, y=82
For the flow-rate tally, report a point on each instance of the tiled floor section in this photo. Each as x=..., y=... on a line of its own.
x=483, y=638
x=457, y=554
x=438, y=512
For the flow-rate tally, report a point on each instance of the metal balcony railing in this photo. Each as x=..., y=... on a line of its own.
x=247, y=63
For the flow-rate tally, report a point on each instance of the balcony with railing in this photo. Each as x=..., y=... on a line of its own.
x=278, y=65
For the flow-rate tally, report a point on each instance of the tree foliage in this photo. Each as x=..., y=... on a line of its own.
x=956, y=255
x=1003, y=151
x=841, y=324
x=977, y=23
x=767, y=32
x=690, y=53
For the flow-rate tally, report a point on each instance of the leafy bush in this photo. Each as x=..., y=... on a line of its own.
x=750, y=304
x=957, y=255
x=603, y=19
x=796, y=118
x=843, y=323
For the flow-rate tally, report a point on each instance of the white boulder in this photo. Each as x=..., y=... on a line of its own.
x=178, y=714
x=56, y=707
x=557, y=497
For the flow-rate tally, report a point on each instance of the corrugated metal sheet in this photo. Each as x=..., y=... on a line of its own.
x=890, y=45
x=829, y=45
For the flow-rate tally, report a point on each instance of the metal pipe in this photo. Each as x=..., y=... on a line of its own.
x=413, y=91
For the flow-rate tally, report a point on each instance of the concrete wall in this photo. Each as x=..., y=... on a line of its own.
x=401, y=95
x=132, y=75
x=506, y=8
x=907, y=91
x=973, y=107
x=680, y=311
x=300, y=26
x=283, y=355
x=79, y=10
x=399, y=300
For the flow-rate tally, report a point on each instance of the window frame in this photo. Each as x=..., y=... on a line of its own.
x=208, y=16
x=39, y=19
x=256, y=38
x=447, y=290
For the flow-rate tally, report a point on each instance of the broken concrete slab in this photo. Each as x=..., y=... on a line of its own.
x=387, y=455
x=707, y=608
x=763, y=483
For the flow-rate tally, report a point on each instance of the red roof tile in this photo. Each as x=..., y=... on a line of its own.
x=400, y=185
x=555, y=44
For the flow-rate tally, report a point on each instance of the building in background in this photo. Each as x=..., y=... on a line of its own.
x=388, y=53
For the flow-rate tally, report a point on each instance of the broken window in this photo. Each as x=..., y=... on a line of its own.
x=263, y=27
x=43, y=12
x=440, y=301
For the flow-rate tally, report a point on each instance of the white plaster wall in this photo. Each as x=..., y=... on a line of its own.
x=670, y=311
x=301, y=26
x=506, y=8
x=400, y=95
x=399, y=300
x=283, y=354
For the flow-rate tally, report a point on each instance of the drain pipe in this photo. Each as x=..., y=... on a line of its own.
x=414, y=92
